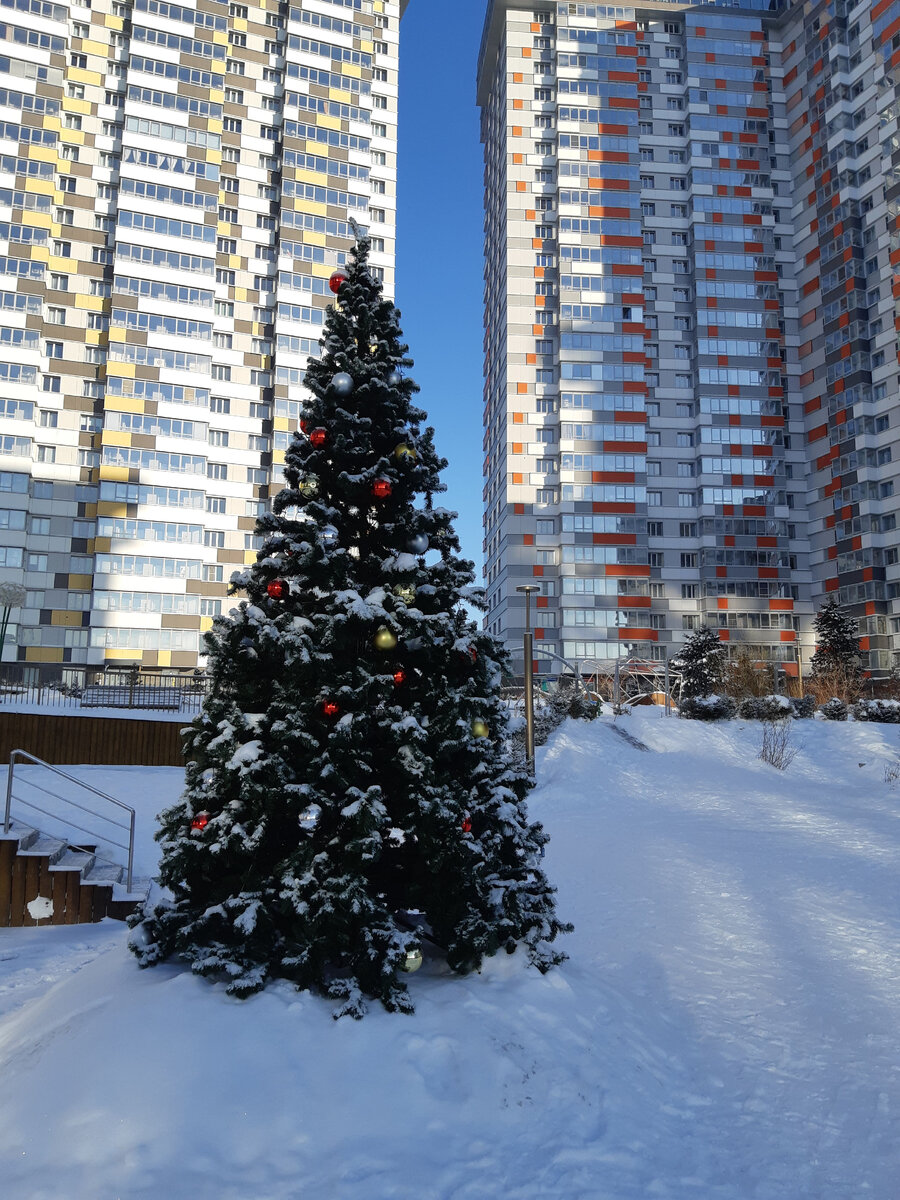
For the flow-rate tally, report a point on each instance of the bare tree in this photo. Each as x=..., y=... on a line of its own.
x=776, y=748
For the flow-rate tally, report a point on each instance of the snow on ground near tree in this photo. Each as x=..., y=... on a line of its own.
x=726, y=1027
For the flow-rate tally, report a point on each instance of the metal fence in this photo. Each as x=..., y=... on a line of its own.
x=59, y=686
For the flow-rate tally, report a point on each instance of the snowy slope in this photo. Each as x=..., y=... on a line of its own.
x=726, y=1028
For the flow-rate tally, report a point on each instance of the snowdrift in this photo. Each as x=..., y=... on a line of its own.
x=725, y=1028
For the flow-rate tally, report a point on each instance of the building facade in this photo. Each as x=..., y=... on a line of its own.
x=691, y=396
x=176, y=182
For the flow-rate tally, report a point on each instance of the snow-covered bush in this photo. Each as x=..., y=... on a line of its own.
x=765, y=708
x=877, y=710
x=804, y=707
x=707, y=708
x=834, y=710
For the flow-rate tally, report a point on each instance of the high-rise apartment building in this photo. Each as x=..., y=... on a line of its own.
x=176, y=182
x=691, y=398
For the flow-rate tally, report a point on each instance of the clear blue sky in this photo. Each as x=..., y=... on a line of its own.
x=439, y=239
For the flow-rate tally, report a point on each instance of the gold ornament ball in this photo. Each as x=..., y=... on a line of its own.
x=413, y=960
x=480, y=729
x=385, y=639
x=405, y=453
x=308, y=485
x=405, y=593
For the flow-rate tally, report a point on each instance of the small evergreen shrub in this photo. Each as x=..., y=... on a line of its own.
x=765, y=708
x=804, y=707
x=887, y=711
x=707, y=708
x=834, y=710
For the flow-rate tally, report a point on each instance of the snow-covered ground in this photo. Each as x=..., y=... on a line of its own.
x=726, y=1027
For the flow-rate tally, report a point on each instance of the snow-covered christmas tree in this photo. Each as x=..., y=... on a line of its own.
x=836, y=662
x=349, y=792
x=701, y=661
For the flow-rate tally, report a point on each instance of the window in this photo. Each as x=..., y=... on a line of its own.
x=49, y=418
x=684, y=439
x=237, y=39
x=218, y=437
x=76, y=92
x=59, y=283
x=216, y=470
x=51, y=383
x=53, y=349
x=234, y=96
x=654, y=499
x=214, y=538
x=221, y=372
x=213, y=573
x=654, y=529
x=219, y=404
x=46, y=454
x=56, y=316
x=689, y=560
x=231, y=154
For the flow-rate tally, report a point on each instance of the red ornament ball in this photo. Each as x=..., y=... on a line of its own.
x=467, y=825
x=382, y=488
x=318, y=437
x=399, y=677
x=200, y=821
x=330, y=709
x=277, y=589
x=337, y=278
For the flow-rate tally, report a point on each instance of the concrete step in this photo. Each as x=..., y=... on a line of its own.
x=103, y=873
x=44, y=846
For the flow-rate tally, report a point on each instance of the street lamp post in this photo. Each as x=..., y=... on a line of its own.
x=528, y=588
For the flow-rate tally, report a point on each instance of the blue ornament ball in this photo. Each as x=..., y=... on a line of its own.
x=395, y=378
x=418, y=543
x=342, y=383
x=328, y=536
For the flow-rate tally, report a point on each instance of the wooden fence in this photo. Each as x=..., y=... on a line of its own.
x=57, y=738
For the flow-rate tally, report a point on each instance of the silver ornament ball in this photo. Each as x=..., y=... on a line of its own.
x=342, y=383
x=418, y=543
x=328, y=536
x=395, y=379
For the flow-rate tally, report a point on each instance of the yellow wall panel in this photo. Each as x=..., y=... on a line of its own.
x=43, y=653
x=41, y=187
x=120, y=368
x=340, y=96
x=115, y=474
x=94, y=303
x=111, y=508
x=79, y=75
x=102, y=544
x=325, y=122
x=80, y=583
x=61, y=616
x=70, y=104
x=125, y=403
x=115, y=437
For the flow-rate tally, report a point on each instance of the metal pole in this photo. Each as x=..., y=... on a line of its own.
x=668, y=699
x=616, y=697
x=800, y=668
x=9, y=788
x=528, y=588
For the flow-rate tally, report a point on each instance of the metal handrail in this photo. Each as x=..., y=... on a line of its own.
x=71, y=778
